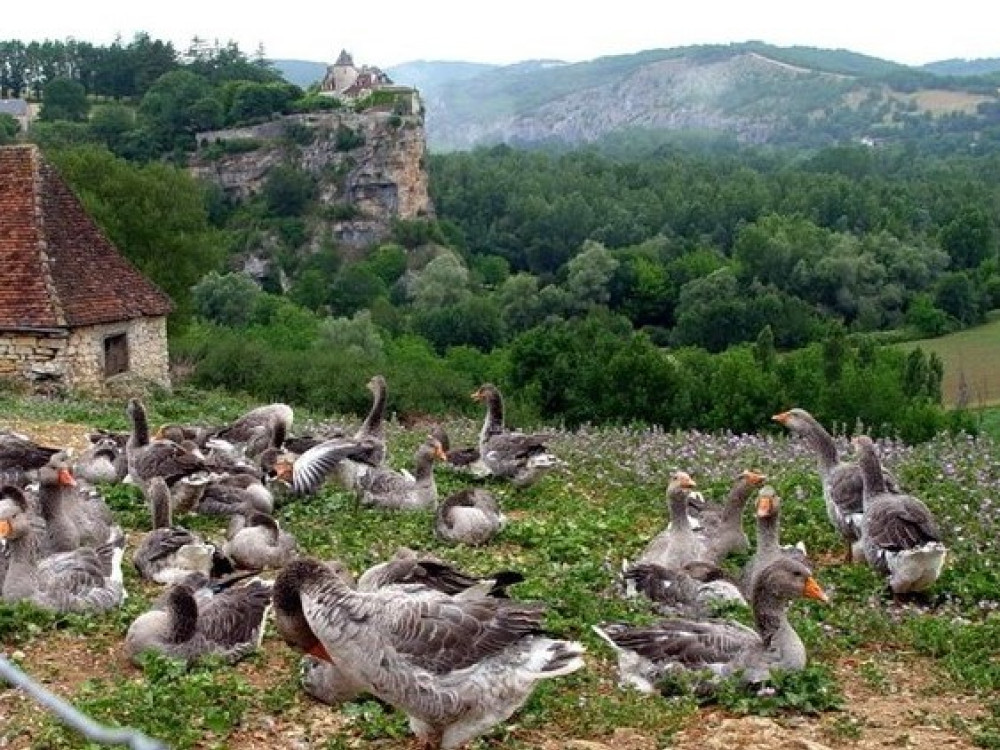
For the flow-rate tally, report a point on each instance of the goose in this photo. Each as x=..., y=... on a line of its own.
x=19, y=453
x=185, y=625
x=517, y=456
x=676, y=545
x=234, y=494
x=83, y=580
x=150, y=458
x=168, y=553
x=471, y=516
x=465, y=460
x=841, y=480
x=769, y=547
x=346, y=458
x=457, y=666
x=391, y=490
x=721, y=526
x=262, y=420
x=71, y=519
x=721, y=648
x=408, y=567
x=100, y=463
x=257, y=542
x=899, y=535
x=691, y=591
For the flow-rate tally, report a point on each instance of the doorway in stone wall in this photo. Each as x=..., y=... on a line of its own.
x=115, y=354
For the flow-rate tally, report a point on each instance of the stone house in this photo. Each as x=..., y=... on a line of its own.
x=19, y=110
x=350, y=83
x=73, y=311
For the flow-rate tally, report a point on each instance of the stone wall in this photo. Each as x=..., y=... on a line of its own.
x=75, y=359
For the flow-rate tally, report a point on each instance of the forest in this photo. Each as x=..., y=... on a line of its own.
x=679, y=282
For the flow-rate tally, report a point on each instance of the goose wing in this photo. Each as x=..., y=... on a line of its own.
x=900, y=522
x=516, y=444
x=235, y=616
x=694, y=644
x=167, y=459
x=313, y=467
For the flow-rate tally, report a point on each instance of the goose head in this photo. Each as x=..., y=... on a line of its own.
x=768, y=502
x=796, y=420
x=787, y=579
x=753, y=478
x=14, y=516
x=289, y=617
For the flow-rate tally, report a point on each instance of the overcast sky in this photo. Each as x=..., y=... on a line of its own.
x=387, y=32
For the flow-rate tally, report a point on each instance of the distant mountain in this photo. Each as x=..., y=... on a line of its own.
x=750, y=92
x=961, y=67
x=302, y=73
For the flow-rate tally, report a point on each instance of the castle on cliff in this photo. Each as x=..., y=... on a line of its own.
x=349, y=83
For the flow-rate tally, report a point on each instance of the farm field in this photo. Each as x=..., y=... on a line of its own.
x=881, y=674
x=971, y=357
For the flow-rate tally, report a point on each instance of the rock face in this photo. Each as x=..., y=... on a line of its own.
x=369, y=166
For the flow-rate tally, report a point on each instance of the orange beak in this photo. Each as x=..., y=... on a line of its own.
x=782, y=418
x=5, y=529
x=439, y=453
x=283, y=470
x=477, y=395
x=158, y=435
x=812, y=590
x=684, y=480
x=754, y=478
x=764, y=506
x=66, y=478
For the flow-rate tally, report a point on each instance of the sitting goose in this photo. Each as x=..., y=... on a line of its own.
x=346, y=458
x=100, y=463
x=391, y=490
x=720, y=647
x=20, y=454
x=234, y=494
x=769, y=547
x=83, y=580
x=517, y=456
x=260, y=422
x=257, y=542
x=163, y=458
x=186, y=625
x=168, y=553
x=676, y=545
x=690, y=591
x=456, y=666
x=471, y=516
x=721, y=526
x=72, y=520
x=899, y=534
x=408, y=567
x=842, y=489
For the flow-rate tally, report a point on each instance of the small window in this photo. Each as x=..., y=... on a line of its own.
x=115, y=354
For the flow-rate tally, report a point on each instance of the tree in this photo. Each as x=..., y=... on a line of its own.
x=9, y=128
x=589, y=275
x=443, y=281
x=763, y=350
x=957, y=295
x=226, y=300
x=288, y=189
x=969, y=238
x=64, y=99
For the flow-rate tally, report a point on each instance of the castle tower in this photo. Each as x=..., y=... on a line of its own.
x=341, y=75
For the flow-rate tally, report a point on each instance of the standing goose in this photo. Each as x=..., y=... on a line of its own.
x=721, y=530
x=899, y=534
x=517, y=456
x=260, y=543
x=720, y=647
x=841, y=480
x=168, y=553
x=84, y=580
x=156, y=458
x=391, y=490
x=456, y=666
x=471, y=516
x=769, y=547
x=465, y=460
x=185, y=626
x=676, y=545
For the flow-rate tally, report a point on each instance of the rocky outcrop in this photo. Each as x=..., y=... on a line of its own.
x=369, y=166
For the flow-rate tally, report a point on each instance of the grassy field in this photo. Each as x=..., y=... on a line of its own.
x=971, y=364
x=881, y=674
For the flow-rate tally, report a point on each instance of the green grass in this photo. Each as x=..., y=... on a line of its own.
x=971, y=363
x=568, y=535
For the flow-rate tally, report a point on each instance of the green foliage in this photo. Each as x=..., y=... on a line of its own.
x=347, y=139
x=810, y=691
x=9, y=128
x=223, y=147
x=287, y=190
x=225, y=299
x=64, y=99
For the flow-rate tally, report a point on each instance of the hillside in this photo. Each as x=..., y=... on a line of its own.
x=303, y=73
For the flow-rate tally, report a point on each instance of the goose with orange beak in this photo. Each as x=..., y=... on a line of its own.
x=769, y=547
x=720, y=648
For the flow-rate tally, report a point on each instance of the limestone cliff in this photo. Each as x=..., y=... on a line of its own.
x=369, y=166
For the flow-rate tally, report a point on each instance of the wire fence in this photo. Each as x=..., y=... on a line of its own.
x=69, y=715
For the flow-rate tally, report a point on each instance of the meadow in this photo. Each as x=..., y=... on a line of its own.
x=880, y=674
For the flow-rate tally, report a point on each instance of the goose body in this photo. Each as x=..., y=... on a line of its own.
x=520, y=457
x=841, y=480
x=690, y=591
x=151, y=458
x=391, y=490
x=259, y=543
x=186, y=625
x=258, y=424
x=719, y=648
x=721, y=526
x=769, y=548
x=168, y=553
x=466, y=460
x=234, y=494
x=101, y=463
x=471, y=516
x=19, y=453
x=455, y=666
x=899, y=535
x=82, y=580
x=678, y=544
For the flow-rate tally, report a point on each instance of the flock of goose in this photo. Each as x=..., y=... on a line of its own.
x=451, y=650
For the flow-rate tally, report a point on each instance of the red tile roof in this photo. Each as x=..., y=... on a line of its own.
x=57, y=269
